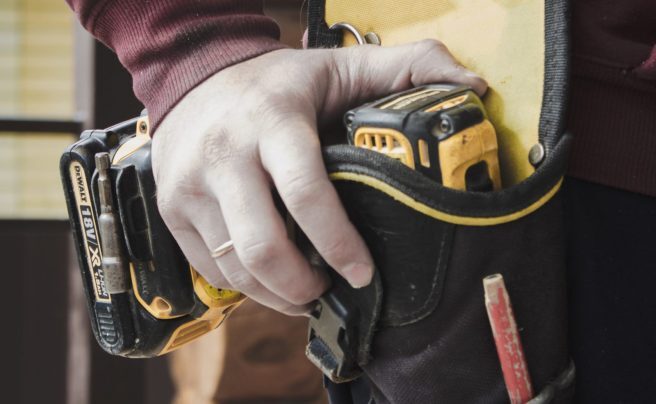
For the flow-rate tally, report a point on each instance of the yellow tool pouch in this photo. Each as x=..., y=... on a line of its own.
x=422, y=330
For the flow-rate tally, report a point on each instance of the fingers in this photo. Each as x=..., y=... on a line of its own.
x=192, y=246
x=260, y=238
x=431, y=62
x=241, y=279
x=204, y=232
x=214, y=233
x=301, y=180
x=225, y=170
x=366, y=72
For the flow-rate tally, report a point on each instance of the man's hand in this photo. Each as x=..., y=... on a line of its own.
x=253, y=127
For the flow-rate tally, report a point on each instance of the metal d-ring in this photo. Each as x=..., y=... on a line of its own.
x=369, y=38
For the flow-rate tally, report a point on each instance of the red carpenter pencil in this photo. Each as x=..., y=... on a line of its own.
x=507, y=340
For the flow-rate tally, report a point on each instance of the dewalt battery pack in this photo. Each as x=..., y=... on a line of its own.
x=144, y=298
x=440, y=130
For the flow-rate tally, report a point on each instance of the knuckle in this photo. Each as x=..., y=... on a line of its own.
x=337, y=250
x=300, y=296
x=168, y=207
x=218, y=148
x=178, y=197
x=348, y=70
x=277, y=116
x=299, y=189
x=430, y=45
x=259, y=255
x=271, y=115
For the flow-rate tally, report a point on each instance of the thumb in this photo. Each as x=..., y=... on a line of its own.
x=366, y=72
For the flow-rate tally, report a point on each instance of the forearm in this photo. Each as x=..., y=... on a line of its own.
x=170, y=46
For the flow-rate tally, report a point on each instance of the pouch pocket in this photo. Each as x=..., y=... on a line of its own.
x=432, y=247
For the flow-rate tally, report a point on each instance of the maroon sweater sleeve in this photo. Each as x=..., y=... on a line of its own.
x=613, y=93
x=170, y=46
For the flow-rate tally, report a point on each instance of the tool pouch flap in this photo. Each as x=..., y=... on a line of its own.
x=432, y=245
x=409, y=220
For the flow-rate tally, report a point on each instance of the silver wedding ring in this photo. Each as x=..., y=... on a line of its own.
x=223, y=249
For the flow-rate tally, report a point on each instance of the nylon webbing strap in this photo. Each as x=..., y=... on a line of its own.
x=319, y=36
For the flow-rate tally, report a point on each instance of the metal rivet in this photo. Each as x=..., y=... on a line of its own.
x=536, y=154
x=372, y=38
x=143, y=127
x=445, y=126
x=349, y=121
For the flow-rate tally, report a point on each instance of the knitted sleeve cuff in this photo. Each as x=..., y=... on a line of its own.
x=170, y=46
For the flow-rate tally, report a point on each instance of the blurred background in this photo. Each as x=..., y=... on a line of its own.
x=55, y=81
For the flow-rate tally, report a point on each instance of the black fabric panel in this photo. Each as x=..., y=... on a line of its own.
x=611, y=273
x=556, y=74
x=474, y=204
x=319, y=36
x=450, y=357
x=411, y=251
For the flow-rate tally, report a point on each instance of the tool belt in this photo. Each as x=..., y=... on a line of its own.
x=419, y=332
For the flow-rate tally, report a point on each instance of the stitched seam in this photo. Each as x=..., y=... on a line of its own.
x=409, y=318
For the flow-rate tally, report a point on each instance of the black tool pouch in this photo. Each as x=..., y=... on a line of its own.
x=420, y=332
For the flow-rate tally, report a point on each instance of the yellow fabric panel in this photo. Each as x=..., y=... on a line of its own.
x=503, y=40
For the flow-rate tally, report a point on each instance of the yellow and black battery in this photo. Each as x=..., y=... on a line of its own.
x=440, y=130
x=144, y=298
